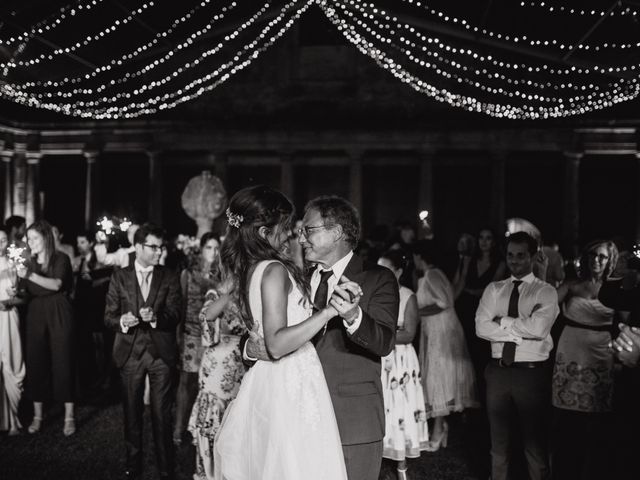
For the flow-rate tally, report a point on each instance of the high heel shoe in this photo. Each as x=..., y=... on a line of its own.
x=35, y=426
x=69, y=427
x=402, y=473
x=434, y=445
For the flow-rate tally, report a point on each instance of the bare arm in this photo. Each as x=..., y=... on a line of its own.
x=460, y=278
x=279, y=338
x=408, y=331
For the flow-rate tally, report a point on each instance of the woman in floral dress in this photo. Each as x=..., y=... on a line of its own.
x=406, y=432
x=196, y=281
x=221, y=372
x=582, y=388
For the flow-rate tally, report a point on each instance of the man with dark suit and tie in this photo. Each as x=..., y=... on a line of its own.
x=143, y=306
x=516, y=316
x=351, y=344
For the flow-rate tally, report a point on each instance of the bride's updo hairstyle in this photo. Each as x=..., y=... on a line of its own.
x=250, y=209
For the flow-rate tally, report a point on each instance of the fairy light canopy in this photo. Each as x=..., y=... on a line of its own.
x=113, y=59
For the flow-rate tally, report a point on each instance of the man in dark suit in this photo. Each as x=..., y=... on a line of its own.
x=350, y=345
x=143, y=306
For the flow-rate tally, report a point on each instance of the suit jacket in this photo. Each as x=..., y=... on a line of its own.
x=351, y=364
x=164, y=298
x=614, y=296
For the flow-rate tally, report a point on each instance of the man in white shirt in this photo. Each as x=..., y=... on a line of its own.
x=516, y=316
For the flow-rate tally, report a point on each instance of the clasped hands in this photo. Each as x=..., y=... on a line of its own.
x=345, y=299
x=627, y=345
x=129, y=320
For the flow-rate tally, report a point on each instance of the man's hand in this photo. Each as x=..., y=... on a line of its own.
x=147, y=315
x=627, y=345
x=129, y=320
x=345, y=299
x=255, y=347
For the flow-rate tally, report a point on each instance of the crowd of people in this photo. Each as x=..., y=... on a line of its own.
x=289, y=350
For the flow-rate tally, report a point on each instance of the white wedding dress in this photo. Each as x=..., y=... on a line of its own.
x=281, y=426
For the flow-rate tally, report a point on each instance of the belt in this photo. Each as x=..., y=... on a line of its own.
x=596, y=328
x=498, y=362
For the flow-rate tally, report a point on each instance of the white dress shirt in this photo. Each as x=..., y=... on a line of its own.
x=537, y=309
x=140, y=271
x=338, y=269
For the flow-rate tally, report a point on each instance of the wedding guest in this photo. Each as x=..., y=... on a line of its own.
x=406, y=432
x=195, y=281
x=94, y=342
x=448, y=379
x=50, y=329
x=62, y=247
x=12, y=369
x=16, y=227
x=143, y=307
x=483, y=266
x=582, y=387
x=516, y=316
x=221, y=372
x=122, y=257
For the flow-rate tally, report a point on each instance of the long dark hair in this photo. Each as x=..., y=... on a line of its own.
x=243, y=247
x=49, y=245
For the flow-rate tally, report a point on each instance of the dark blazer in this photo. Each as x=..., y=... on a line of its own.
x=164, y=298
x=614, y=296
x=351, y=364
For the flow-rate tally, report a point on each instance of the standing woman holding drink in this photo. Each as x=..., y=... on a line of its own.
x=48, y=279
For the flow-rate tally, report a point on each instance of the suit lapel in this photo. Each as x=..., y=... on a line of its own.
x=156, y=281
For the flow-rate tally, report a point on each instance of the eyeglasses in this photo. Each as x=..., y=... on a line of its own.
x=600, y=256
x=306, y=231
x=154, y=248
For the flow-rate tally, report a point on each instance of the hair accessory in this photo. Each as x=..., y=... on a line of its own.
x=234, y=219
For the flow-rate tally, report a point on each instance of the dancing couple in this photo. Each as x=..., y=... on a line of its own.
x=311, y=406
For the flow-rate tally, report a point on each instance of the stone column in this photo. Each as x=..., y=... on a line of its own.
x=20, y=181
x=498, y=186
x=572, y=199
x=7, y=156
x=355, y=179
x=32, y=209
x=155, y=187
x=91, y=157
x=287, y=183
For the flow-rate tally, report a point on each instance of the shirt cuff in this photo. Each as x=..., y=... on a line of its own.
x=245, y=355
x=153, y=324
x=351, y=329
x=123, y=328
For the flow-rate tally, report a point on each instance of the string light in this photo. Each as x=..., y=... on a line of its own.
x=552, y=7
x=48, y=25
x=130, y=55
x=73, y=48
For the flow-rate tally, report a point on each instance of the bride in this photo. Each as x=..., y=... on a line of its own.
x=281, y=425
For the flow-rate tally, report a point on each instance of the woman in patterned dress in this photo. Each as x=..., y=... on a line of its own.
x=406, y=432
x=582, y=388
x=221, y=372
x=195, y=282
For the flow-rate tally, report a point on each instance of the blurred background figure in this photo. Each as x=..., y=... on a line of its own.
x=582, y=388
x=62, y=247
x=448, y=379
x=555, y=270
x=406, y=432
x=123, y=256
x=12, y=369
x=16, y=228
x=195, y=281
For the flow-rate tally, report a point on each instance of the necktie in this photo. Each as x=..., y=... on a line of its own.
x=509, y=349
x=322, y=292
x=320, y=300
x=144, y=285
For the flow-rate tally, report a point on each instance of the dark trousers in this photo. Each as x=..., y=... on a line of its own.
x=363, y=460
x=524, y=394
x=582, y=445
x=50, y=352
x=133, y=374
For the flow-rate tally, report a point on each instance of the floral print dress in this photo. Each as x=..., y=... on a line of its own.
x=221, y=372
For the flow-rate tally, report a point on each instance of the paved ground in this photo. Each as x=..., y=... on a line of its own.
x=96, y=452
